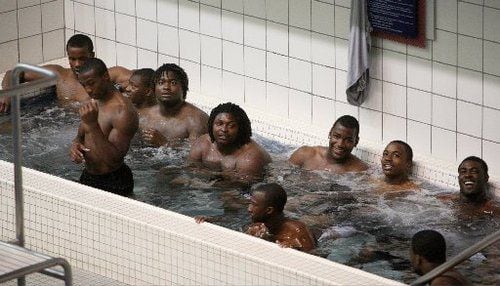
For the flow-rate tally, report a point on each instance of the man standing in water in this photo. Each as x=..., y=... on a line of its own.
x=140, y=89
x=108, y=123
x=228, y=146
x=173, y=118
x=428, y=251
x=337, y=156
x=68, y=90
x=269, y=222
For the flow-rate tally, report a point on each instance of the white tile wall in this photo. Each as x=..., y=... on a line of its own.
x=273, y=47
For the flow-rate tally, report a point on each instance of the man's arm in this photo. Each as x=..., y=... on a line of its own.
x=300, y=155
x=199, y=126
x=197, y=149
x=250, y=165
x=77, y=148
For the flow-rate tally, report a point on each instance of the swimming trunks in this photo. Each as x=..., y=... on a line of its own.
x=120, y=181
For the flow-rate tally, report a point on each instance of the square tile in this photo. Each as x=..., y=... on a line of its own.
x=277, y=11
x=30, y=21
x=470, y=53
x=370, y=125
x=29, y=50
x=323, y=81
x=394, y=67
x=168, y=40
x=211, y=21
x=189, y=15
x=300, y=75
x=255, y=32
x=341, y=54
x=69, y=17
x=232, y=57
x=146, y=9
x=491, y=87
x=419, y=73
x=491, y=24
x=374, y=98
x=105, y=24
x=376, y=63
x=189, y=45
x=211, y=81
x=468, y=146
x=469, y=118
x=340, y=85
x=419, y=137
x=233, y=5
x=394, y=128
x=194, y=72
x=300, y=104
x=444, y=47
x=323, y=49
x=323, y=112
x=232, y=27
x=27, y=3
x=125, y=7
x=491, y=150
x=147, y=35
x=446, y=15
x=394, y=99
x=53, y=45
x=277, y=38
x=125, y=29
x=126, y=56
x=255, y=92
x=277, y=69
x=444, y=79
x=277, y=100
x=52, y=16
x=233, y=88
x=470, y=86
x=10, y=57
x=8, y=26
x=342, y=18
x=255, y=8
x=211, y=51
x=106, y=4
x=324, y=18
x=444, y=112
x=215, y=3
x=444, y=144
x=106, y=49
x=167, y=12
x=420, y=105
x=300, y=13
x=491, y=58
x=470, y=18
x=300, y=43
x=147, y=58
x=491, y=128
x=8, y=5
x=255, y=63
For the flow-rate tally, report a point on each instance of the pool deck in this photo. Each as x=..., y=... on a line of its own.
x=80, y=278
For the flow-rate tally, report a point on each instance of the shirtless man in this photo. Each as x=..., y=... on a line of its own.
x=269, y=222
x=228, y=146
x=108, y=123
x=68, y=90
x=397, y=162
x=428, y=251
x=140, y=89
x=172, y=119
x=120, y=76
x=337, y=156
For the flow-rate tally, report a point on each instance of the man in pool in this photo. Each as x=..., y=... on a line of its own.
x=140, y=89
x=337, y=156
x=428, y=251
x=397, y=162
x=268, y=220
x=172, y=119
x=228, y=146
x=108, y=123
x=68, y=90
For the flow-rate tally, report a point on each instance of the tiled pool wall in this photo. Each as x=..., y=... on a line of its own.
x=288, y=60
x=140, y=244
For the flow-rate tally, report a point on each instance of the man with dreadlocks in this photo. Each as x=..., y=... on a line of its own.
x=172, y=119
x=228, y=147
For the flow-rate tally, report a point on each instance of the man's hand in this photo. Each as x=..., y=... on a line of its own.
x=154, y=137
x=89, y=113
x=76, y=152
x=5, y=104
x=201, y=219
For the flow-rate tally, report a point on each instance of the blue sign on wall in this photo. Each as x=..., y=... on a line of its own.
x=398, y=17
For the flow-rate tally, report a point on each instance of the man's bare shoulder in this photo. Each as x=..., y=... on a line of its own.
x=306, y=153
x=357, y=164
x=190, y=110
x=255, y=151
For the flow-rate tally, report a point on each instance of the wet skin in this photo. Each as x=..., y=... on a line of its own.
x=472, y=180
x=395, y=164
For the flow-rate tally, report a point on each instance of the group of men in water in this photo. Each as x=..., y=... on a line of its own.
x=113, y=104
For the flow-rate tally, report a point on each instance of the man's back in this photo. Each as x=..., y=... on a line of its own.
x=450, y=278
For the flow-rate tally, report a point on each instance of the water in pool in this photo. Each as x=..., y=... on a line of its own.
x=354, y=225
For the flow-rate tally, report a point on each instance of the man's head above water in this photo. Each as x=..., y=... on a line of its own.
x=79, y=48
x=397, y=162
x=473, y=179
x=268, y=200
x=229, y=124
x=343, y=138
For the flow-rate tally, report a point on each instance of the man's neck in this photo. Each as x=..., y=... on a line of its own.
x=477, y=199
x=275, y=223
x=169, y=111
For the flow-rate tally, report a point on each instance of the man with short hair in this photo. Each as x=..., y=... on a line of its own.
x=337, y=156
x=108, y=123
x=140, y=89
x=397, y=163
x=68, y=90
x=172, y=119
x=228, y=146
x=269, y=222
x=428, y=251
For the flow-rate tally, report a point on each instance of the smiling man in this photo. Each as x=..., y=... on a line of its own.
x=108, y=123
x=172, y=119
x=68, y=90
x=397, y=162
x=337, y=156
x=228, y=146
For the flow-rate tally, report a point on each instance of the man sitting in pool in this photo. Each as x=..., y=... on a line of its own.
x=172, y=119
x=228, y=146
x=428, y=251
x=269, y=222
x=108, y=123
x=337, y=156
x=140, y=89
x=68, y=90
x=397, y=162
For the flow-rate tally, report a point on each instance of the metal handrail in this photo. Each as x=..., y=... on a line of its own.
x=480, y=245
x=15, y=91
